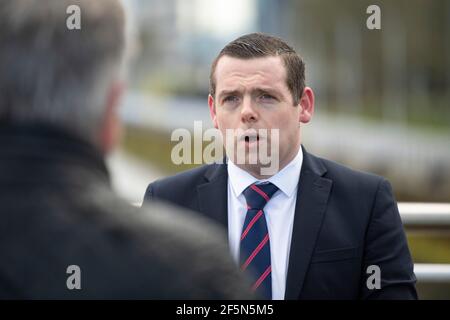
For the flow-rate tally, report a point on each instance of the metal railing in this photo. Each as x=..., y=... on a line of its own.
x=428, y=217
x=424, y=215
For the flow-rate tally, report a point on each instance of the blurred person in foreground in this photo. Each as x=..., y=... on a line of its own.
x=59, y=90
x=311, y=229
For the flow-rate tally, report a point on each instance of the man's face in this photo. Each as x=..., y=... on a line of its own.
x=253, y=94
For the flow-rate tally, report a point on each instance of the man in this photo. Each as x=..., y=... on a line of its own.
x=63, y=233
x=312, y=229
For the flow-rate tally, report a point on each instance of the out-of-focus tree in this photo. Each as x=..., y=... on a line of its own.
x=400, y=72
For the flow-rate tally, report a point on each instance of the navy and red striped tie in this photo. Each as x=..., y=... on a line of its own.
x=255, y=243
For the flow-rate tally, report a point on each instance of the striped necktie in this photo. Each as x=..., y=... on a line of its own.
x=255, y=243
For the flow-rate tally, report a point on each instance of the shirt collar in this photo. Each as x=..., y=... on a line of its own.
x=286, y=179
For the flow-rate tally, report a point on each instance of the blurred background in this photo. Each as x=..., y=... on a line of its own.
x=382, y=96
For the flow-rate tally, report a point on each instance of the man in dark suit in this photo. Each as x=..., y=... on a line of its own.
x=311, y=229
x=64, y=234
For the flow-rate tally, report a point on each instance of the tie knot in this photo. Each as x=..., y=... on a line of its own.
x=257, y=196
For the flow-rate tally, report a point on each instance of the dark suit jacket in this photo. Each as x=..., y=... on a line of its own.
x=57, y=209
x=344, y=222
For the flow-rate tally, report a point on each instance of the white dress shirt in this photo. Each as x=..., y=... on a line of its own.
x=279, y=212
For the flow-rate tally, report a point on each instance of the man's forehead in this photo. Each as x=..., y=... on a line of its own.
x=264, y=71
x=228, y=64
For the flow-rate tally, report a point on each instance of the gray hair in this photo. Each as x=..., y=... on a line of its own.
x=50, y=74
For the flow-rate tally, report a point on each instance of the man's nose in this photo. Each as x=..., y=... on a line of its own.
x=248, y=111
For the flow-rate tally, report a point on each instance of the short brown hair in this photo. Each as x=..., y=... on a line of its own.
x=256, y=45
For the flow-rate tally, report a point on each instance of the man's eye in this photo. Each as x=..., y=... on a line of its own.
x=230, y=99
x=267, y=97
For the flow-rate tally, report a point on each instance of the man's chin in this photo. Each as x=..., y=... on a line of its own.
x=253, y=169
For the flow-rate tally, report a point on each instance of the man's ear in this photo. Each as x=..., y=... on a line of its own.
x=212, y=111
x=111, y=127
x=307, y=105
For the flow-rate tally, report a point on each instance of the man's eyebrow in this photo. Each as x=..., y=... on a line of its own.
x=270, y=91
x=256, y=91
x=228, y=92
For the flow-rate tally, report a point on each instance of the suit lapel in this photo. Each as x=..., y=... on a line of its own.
x=312, y=196
x=212, y=195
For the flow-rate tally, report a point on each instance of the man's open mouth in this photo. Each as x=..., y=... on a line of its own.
x=248, y=136
x=252, y=138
